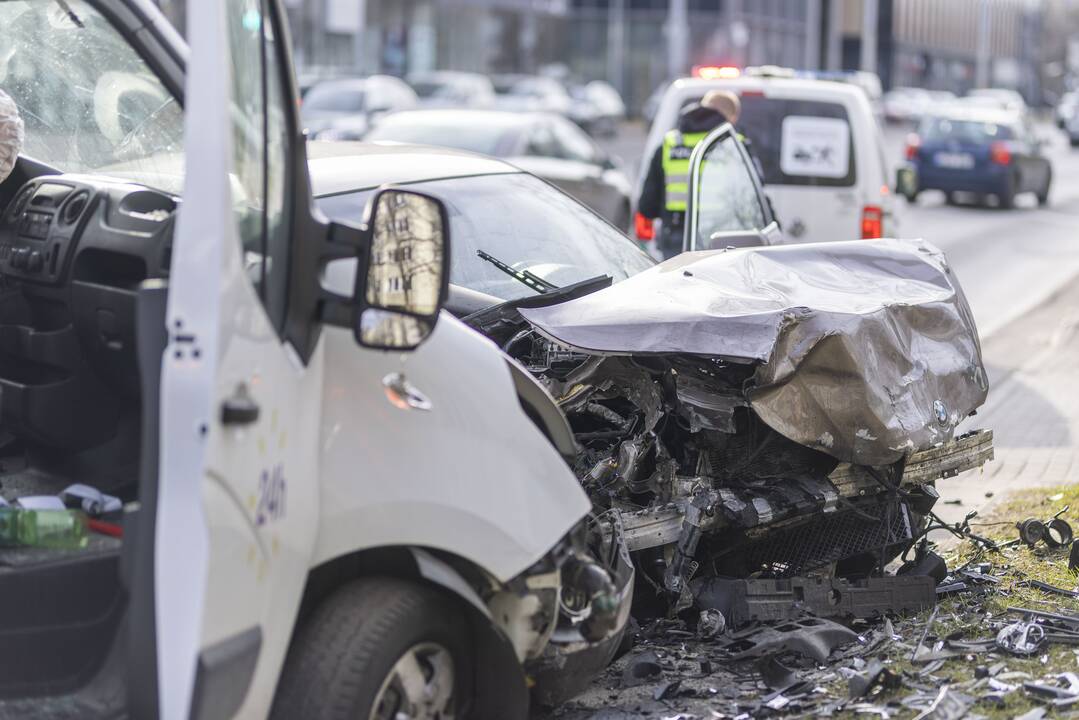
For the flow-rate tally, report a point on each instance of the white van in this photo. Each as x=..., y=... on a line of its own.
x=818, y=145
x=329, y=497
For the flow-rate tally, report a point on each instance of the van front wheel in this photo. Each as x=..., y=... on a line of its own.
x=378, y=649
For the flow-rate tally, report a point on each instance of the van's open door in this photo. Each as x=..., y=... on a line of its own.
x=241, y=384
x=727, y=206
x=189, y=363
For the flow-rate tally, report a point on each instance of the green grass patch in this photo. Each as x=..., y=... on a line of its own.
x=972, y=614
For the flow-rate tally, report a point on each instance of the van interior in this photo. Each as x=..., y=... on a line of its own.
x=83, y=267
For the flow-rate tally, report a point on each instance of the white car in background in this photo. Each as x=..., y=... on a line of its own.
x=345, y=108
x=609, y=108
x=906, y=104
x=546, y=145
x=1001, y=98
x=818, y=145
x=452, y=89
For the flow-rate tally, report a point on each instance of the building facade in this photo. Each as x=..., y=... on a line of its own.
x=639, y=44
x=954, y=45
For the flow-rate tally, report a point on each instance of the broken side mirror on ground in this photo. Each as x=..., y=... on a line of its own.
x=400, y=278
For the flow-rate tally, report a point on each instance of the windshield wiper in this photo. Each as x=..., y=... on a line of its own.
x=70, y=14
x=525, y=277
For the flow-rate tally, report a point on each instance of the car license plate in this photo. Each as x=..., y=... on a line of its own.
x=955, y=161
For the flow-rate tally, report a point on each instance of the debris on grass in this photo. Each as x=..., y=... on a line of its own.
x=1001, y=642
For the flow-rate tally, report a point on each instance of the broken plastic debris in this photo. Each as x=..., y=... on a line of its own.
x=775, y=674
x=875, y=675
x=812, y=637
x=1035, y=714
x=1021, y=638
x=1065, y=689
x=667, y=690
x=1052, y=589
x=1058, y=533
x=640, y=669
x=948, y=705
x=92, y=500
x=710, y=624
x=778, y=702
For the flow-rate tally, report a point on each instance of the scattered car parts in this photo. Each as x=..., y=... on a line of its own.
x=746, y=600
x=1021, y=638
x=815, y=638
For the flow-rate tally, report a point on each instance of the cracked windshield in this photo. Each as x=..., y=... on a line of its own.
x=539, y=359
x=89, y=102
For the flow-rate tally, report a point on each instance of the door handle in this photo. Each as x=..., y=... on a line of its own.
x=404, y=395
x=241, y=408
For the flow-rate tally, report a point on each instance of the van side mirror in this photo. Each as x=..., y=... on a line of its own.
x=406, y=275
x=395, y=266
x=906, y=182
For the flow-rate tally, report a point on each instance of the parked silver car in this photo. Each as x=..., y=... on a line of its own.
x=452, y=89
x=544, y=144
x=344, y=109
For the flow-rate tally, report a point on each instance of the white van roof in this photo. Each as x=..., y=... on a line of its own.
x=684, y=89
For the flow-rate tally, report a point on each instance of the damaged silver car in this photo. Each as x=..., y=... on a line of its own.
x=764, y=412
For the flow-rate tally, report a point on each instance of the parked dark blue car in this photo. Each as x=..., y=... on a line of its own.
x=974, y=150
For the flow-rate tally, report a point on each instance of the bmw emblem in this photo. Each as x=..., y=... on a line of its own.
x=941, y=411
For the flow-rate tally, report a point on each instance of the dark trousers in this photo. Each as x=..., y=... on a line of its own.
x=671, y=235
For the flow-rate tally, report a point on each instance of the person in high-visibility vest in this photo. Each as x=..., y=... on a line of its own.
x=666, y=185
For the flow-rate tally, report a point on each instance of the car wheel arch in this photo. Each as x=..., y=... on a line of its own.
x=501, y=689
x=542, y=410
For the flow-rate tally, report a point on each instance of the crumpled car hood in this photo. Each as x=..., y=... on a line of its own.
x=866, y=350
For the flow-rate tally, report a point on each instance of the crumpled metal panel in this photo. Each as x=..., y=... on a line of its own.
x=866, y=350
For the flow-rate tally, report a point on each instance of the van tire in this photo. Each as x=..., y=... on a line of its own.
x=343, y=655
x=624, y=220
x=1006, y=199
x=1043, y=194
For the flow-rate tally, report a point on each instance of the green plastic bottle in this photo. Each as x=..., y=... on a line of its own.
x=53, y=529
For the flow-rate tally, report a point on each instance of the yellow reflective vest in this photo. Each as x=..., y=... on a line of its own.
x=677, y=149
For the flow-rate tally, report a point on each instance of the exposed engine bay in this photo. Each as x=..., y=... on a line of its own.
x=743, y=430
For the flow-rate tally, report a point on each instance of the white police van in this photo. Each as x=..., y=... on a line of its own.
x=817, y=143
